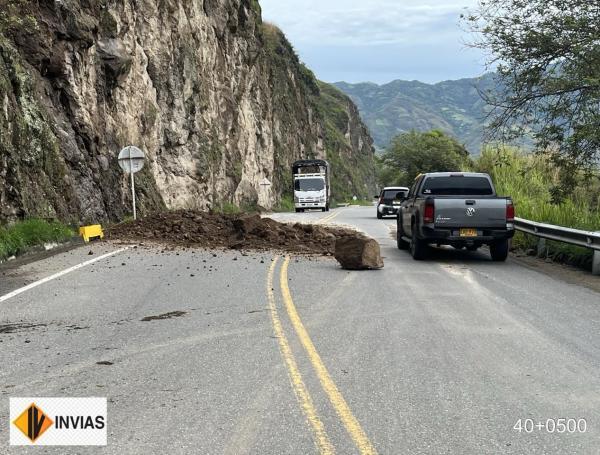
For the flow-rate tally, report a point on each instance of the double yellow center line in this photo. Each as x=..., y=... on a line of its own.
x=336, y=399
x=328, y=218
x=302, y=394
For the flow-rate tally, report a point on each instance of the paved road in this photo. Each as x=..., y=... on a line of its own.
x=295, y=356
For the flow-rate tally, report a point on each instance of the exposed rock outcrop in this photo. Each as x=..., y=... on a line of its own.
x=217, y=99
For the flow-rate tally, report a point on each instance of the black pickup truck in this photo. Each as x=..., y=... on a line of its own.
x=458, y=209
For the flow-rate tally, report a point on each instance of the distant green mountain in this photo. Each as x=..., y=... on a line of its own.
x=451, y=106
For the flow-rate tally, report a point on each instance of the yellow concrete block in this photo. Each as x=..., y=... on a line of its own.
x=91, y=232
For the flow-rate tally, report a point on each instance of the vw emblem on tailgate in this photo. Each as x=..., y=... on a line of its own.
x=470, y=211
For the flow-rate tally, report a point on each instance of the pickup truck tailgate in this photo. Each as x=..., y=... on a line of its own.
x=470, y=213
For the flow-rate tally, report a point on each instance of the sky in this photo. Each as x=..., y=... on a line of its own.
x=378, y=40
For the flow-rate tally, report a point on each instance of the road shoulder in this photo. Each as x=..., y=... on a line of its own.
x=566, y=273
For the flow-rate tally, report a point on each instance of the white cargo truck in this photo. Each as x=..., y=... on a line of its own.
x=312, y=189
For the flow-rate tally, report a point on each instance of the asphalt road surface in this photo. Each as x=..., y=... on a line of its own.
x=263, y=354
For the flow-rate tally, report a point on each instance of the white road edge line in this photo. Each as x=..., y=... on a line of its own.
x=59, y=274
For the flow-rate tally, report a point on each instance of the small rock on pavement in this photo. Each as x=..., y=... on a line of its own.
x=358, y=253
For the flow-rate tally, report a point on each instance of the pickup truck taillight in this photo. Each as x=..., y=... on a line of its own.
x=381, y=200
x=429, y=212
x=510, y=212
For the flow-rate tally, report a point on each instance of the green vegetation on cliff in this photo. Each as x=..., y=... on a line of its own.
x=353, y=167
x=15, y=14
x=35, y=171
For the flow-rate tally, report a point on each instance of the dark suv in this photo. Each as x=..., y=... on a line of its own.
x=389, y=203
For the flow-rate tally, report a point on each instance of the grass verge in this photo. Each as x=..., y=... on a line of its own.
x=285, y=205
x=361, y=202
x=16, y=238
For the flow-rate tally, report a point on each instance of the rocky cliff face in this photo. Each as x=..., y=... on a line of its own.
x=217, y=100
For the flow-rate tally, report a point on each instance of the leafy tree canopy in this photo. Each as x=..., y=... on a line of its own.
x=413, y=153
x=547, y=54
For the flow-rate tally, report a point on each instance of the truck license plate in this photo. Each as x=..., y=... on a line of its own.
x=468, y=232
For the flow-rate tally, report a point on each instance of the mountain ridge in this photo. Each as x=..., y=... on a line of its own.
x=453, y=106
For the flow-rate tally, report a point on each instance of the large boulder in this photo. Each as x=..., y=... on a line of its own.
x=358, y=253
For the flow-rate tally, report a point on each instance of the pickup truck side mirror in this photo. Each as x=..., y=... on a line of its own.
x=376, y=196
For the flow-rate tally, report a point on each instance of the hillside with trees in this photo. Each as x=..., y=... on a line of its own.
x=454, y=107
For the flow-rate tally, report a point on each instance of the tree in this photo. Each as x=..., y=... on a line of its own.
x=413, y=153
x=547, y=54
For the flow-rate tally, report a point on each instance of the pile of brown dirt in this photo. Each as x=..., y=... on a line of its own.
x=242, y=232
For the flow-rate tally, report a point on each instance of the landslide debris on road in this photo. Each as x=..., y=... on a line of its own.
x=240, y=232
x=352, y=249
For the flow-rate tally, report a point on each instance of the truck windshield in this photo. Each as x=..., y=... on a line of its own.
x=457, y=186
x=309, y=184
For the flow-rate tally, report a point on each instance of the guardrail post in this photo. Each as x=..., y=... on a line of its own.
x=596, y=263
x=541, y=248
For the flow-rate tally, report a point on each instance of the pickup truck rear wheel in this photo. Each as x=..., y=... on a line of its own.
x=499, y=251
x=402, y=244
x=379, y=215
x=418, y=248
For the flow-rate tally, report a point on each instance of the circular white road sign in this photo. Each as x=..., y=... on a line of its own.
x=131, y=159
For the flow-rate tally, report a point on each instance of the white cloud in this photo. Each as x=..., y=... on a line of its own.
x=338, y=22
x=422, y=39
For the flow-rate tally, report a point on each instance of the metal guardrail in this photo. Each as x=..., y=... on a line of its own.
x=585, y=239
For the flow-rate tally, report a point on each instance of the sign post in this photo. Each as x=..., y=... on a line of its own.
x=131, y=160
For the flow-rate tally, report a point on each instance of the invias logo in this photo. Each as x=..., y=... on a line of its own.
x=58, y=421
x=33, y=422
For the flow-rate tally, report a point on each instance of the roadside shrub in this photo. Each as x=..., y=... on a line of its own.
x=229, y=208
x=285, y=205
x=530, y=180
x=15, y=238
